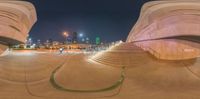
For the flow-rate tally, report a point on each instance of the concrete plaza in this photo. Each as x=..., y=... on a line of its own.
x=28, y=75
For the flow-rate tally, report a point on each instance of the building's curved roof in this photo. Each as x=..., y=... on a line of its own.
x=158, y=15
x=169, y=29
x=16, y=20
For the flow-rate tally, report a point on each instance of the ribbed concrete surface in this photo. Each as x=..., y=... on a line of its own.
x=26, y=75
x=168, y=18
x=16, y=20
x=150, y=78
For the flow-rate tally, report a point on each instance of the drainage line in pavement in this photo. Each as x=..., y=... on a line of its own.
x=59, y=87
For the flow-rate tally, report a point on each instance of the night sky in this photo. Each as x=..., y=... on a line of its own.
x=110, y=20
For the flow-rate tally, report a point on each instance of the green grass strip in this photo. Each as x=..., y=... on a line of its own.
x=59, y=87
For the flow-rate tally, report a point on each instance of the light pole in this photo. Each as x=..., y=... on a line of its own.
x=66, y=35
x=81, y=39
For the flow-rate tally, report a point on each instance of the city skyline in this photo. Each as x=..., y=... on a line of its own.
x=92, y=18
x=99, y=49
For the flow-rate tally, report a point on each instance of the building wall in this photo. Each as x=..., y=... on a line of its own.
x=16, y=20
x=163, y=19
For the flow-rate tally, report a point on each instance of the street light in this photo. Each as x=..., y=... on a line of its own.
x=81, y=34
x=65, y=34
x=83, y=40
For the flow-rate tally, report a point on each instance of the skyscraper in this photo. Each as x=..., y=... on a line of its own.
x=74, y=37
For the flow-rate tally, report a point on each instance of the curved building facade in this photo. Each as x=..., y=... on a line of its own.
x=169, y=30
x=16, y=20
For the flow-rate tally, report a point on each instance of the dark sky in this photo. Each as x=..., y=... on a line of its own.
x=109, y=19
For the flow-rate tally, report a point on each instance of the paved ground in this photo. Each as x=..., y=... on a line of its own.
x=26, y=75
x=149, y=78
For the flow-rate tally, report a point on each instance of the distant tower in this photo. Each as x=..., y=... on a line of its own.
x=74, y=37
x=69, y=40
x=28, y=43
x=51, y=42
x=38, y=43
x=98, y=40
x=87, y=40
